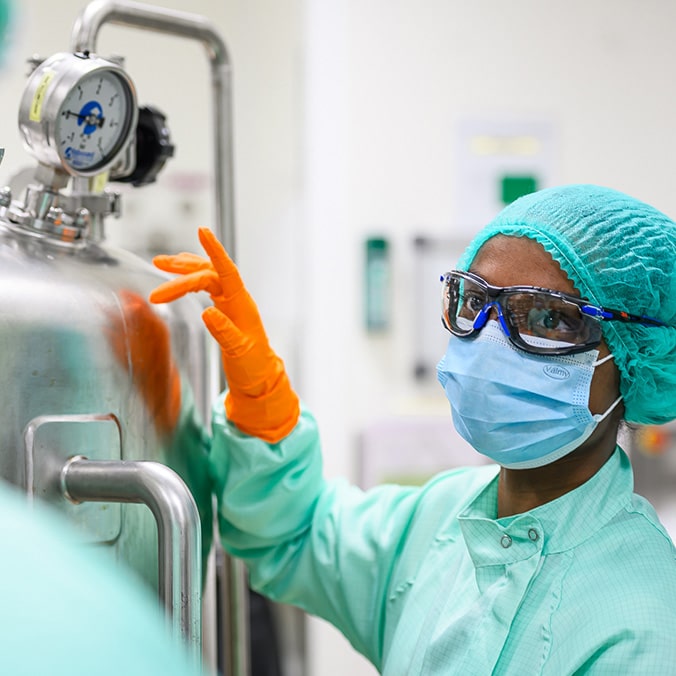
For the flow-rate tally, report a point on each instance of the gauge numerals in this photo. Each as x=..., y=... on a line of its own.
x=93, y=120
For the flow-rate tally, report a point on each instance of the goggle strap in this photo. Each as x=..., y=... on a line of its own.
x=619, y=315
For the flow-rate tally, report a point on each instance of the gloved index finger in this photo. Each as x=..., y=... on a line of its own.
x=181, y=263
x=223, y=264
x=200, y=280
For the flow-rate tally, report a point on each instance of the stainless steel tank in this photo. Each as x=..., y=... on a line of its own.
x=92, y=371
x=107, y=397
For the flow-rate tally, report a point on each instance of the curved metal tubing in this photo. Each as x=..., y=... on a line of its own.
x=178, y=528
x=182, y=24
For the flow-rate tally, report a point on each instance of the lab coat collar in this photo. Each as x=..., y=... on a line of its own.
x=554, y=527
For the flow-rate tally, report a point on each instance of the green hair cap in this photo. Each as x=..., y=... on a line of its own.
x=619, y=253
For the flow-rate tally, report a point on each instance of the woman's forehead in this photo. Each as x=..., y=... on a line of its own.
x=511, y=261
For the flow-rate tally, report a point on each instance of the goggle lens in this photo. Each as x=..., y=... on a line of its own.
x=539, y=315
x=537, y=321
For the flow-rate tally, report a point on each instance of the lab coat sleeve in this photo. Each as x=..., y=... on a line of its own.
x=326, y=547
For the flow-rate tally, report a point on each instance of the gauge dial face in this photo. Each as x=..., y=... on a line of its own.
x=93, y=120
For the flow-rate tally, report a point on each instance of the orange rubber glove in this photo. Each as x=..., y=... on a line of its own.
x=260, y=400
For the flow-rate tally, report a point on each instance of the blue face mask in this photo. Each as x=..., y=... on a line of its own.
x=519, y=409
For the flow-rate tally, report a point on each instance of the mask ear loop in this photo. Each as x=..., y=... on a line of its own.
x=598, y=362
x=602, y=416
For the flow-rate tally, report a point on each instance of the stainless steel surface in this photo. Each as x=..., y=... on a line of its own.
x=66, y=217
x=91, y=368
x=49, y=442
x=178, y=527
x=5, y=196
x=195, y=27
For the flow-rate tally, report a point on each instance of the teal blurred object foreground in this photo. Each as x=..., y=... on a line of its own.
x=69, y=610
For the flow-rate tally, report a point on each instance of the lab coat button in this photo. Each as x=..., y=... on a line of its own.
x=533, y=534
x=506, y=541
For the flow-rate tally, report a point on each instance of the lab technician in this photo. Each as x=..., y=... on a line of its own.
x=562, y=314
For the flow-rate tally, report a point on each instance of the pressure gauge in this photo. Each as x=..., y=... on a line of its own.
x=78, y=113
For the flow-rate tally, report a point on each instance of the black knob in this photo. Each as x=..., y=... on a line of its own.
x=153, y=147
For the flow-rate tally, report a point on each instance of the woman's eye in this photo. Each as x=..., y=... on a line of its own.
x=474, y=302
x=552, y=320
x=561, y=322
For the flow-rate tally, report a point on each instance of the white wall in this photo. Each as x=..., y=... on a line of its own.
x=346, y=123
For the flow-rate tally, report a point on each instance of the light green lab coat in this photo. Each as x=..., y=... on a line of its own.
x=428, y=580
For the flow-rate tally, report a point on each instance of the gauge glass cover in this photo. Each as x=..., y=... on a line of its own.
x=93, y=120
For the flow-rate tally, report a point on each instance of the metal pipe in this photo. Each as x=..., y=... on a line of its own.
x=178, y=528
x=233, y=594
x=83, y=38
x=182, y=24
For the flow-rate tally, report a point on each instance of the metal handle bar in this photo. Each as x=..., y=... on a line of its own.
x=178, y=528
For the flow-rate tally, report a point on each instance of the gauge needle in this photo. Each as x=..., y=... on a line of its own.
x=90, y=119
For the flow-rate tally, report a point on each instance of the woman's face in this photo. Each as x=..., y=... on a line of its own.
x=513, y=261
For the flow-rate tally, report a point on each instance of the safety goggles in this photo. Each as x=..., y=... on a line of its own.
x=536, y=320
